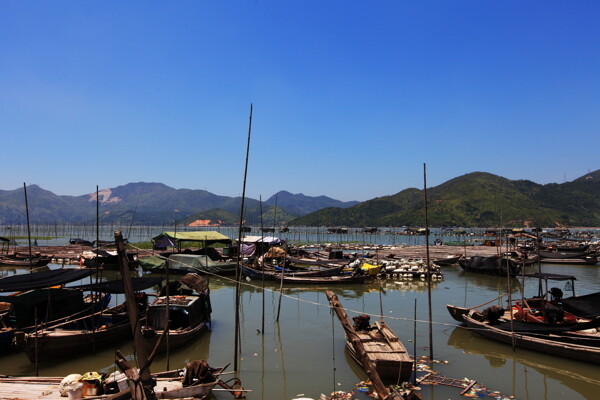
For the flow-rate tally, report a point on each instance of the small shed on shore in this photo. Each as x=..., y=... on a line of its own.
x=203, y=238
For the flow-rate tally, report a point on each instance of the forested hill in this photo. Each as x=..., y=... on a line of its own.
x=475, y=199
x=145, y=203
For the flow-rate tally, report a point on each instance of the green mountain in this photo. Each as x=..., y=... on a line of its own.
x=148, y=204
x=300, y=204
x=475, y=199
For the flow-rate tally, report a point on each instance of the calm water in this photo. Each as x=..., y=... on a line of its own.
x=303, y=354
x=386, y=236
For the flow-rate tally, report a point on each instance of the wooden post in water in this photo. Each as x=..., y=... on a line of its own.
x=262, y=233
x=28, y=227
x=428, y=265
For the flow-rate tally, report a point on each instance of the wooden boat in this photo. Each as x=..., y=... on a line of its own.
x=325, y=280
x=555, y=253
x=376, y=342
x=80, y=242
x=450, y=260
x=88, y=333
x=493, y=265
x=457, y=312
x=587, y=259
x=65, y=339
x=588, y=354
x=275, y=274
x=184, y=313
x=169, y=385
x=24, y=260
x=99, y=258
x=54, y=305
x=581, y=332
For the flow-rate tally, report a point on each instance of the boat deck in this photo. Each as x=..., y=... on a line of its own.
x=386, y=351
x=47, y=388
x=30, y=388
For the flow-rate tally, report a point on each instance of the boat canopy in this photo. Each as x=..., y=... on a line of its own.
x=270, y=240
x=554, y=277
x=43, y=279
x=174, y=239
x=152, y=262
x=586, y=306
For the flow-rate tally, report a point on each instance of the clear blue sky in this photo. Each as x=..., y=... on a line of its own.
x=350, y=97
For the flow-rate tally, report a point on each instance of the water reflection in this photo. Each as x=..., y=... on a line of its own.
x=305, y=352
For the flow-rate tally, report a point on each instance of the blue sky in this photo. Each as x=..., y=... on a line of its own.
x=350, y=98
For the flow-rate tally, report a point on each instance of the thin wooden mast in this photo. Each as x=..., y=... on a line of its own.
x=238, y=274
x=28, y=227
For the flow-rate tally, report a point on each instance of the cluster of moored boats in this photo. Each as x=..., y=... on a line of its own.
x=48, y=321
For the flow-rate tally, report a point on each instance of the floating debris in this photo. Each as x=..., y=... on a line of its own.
x=470, y=387
x=337, y=395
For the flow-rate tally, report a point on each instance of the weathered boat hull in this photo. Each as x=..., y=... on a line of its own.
x=500, y=266
x=51, y=344
x=581, y=353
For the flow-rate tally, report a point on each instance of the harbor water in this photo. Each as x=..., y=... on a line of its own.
x=300, y=352
x=302, y=355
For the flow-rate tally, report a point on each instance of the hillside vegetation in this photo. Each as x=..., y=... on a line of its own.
x=475, y=199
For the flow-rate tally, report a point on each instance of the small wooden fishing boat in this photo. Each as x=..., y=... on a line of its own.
x=24, y=260
x=457, y=312
x=276, y=273
x=88, y=333
x=376, y=343
x=54, y=305
x=184, y=313
x=99, y=258
x=587, y=260
x=325, y=280
x=564, y=254
x=65, y=339
x=544, y=344
x=493, y=265
x=175, y=384
x=450, y=260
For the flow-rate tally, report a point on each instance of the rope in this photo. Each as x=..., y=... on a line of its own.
x=315, y=303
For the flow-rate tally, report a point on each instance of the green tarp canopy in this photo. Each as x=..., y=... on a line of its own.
x=152, y=262
x=174, y=239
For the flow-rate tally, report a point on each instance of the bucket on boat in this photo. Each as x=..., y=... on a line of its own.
x=89, y=388
x=74, y=392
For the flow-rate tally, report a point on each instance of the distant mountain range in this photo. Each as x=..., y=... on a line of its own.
x=154, y=204
x=476, y=199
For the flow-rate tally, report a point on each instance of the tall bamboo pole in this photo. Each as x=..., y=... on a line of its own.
x=238, y=274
